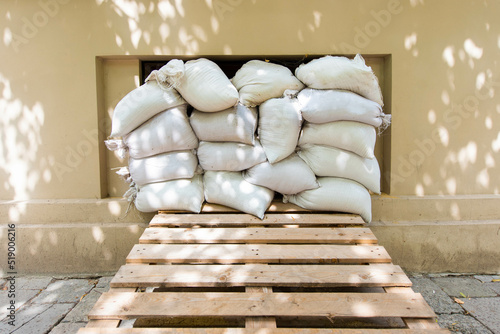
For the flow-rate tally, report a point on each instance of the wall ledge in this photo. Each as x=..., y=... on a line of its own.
x=385, y=208
x=91, y=237
x=435, y=208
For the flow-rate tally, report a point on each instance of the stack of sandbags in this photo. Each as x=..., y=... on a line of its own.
x=162, y=161
x=238, y=170
x=228, y=146
x=273, y=88
x=227, y=138
x=342, y=107
x=309, y=137
x=283, y=171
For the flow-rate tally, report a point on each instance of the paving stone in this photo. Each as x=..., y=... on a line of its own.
x=22, y=317
x=21, y=298
x=80, y=311
x=461, y=323
x=486, y=278
x=468, y=286
x=64, y=291
x=4, y=298
x=493, y=286
x=486, y=310
x=61, y=300
x=4, y=303
x=103, y=283
x=67, y=327
x=44, y=321
x=32, y=282
x=439, y=301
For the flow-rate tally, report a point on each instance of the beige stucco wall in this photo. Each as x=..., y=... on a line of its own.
x=444, y=64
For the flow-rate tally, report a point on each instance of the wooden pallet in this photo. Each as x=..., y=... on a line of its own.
x=293, y=272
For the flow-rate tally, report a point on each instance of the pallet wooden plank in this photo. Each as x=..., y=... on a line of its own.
x=421, y=323
x=376, y=275
x=170, y=304
x=258, y=235
x=276, y=206
x=221, y=220
x=109, y=323
x=258, y=331
x=257, y=253
x=413, y=322
x=103, y=323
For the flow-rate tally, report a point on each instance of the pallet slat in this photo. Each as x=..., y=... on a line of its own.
x=221, y=220
x=258, y=235
x=412, y=322
x=277, y=206
x=258, y=331
x=255, y=253
x=377, y=275
x=109, y=323
x=127, y=305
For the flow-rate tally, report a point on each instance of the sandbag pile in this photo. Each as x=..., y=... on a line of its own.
x=308, y=136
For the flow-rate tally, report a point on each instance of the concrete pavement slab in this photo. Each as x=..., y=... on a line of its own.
x=22, y=317
x=79, y=313
x=4, y=303
x=487, y=278
x=439, y=301
x=486, y=310
x=21, y=298
x=61, y=304
x=32, y=282
x=67, y=327
x=463, y=287
x=46, y=320
x=494, y=286
x=64, y=291
x=103, y=283
x=461, y=323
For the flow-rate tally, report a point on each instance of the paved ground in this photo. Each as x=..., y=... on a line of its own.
x=464, y=304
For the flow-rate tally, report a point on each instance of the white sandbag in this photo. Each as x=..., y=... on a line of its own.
x=140, y=105
x=331, y=161
x=355, y=137
x=341, y=73
x=201, y=83
x=117, y=145
x=182, y=194
x=167, y=131
x=258, y=81
x=124, y=173
x=231, y=190
x=335, y=194
x=279, y=127
x=322, y=106
x=229, y=156
x=289, y=176
x=236, y=124
x=163, y=167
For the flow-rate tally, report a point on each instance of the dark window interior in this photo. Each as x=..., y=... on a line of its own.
x=229, y=64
